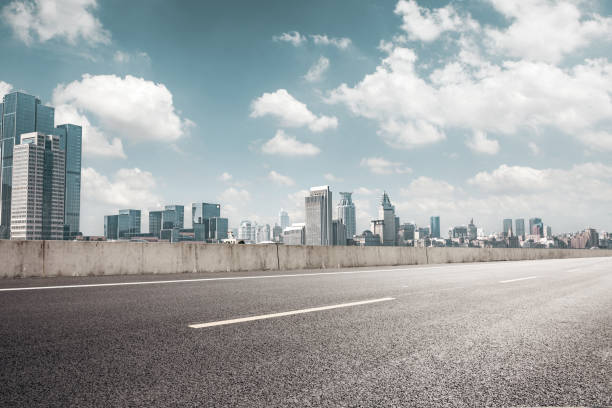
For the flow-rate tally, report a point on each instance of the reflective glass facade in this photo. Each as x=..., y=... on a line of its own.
x=128, y=223
x=173, y=216
x=155, y=222
x=434, y=226
x=202, y=211
x=111, y=227
x=71, y=141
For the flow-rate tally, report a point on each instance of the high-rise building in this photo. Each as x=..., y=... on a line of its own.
x=200, y=211
x=173, y=216
x=111, y=227
x=338, y=233
x=346, y=214
x=71, y=142
x=155, y=222
x=519, y=227
x=318, y=208
x=277, y=233
x=283, y=219
x=246, y=232
x=128, y=223
x=295, y=234
x=386, y=213
x=38, y=171
x=217, y=229
x=20, y=113
x=507, y=227
x=406, y=233
x=263, y=233
x=434, y=226
x=536, y=227
x=472, y=230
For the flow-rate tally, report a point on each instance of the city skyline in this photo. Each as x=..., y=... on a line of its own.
x=294, y=105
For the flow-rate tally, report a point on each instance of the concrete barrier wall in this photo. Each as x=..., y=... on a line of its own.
x=65, y=258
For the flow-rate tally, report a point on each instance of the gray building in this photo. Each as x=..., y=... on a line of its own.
x=318, y=207
x=434, y=226
x=346, y=214
x=155, y=222
x=536, y=227
x=406, y=232
x=386, y=213
x=128, y=223
x=472, y=230
x=338, y=233
x=283, y=219
x=201, y=211
x=19, y=113
x=507, y=225
x=173, y=216
x=295, y=234
x=38, y=177
x=217, y=229
x=111, y=227
x=71, y=143
x=519, y=227
x=367, y=238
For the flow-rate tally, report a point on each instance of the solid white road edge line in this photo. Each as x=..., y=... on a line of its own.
x=516, y=280
x=289, y=313
x=293, y=275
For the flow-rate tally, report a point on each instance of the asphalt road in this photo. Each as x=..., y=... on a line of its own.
x=531, y=333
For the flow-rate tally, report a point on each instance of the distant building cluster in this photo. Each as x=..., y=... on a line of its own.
x=40, y=169
x=321, y=228
x=168, y=225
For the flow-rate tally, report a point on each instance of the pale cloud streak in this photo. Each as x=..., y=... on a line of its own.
x=290, y=112
x=286, y=145
x=315, y=73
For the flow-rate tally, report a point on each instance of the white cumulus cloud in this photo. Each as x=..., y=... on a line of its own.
x=480, y=143
x=286, y=145
x=423, y=24
x=291, y=112
x=43, y=20
x=4, y=88
x=129, y=108
x=545, y=30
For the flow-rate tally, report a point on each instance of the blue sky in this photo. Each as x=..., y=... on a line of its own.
x=483, y=108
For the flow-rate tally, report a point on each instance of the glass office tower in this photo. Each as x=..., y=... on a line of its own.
x=434, y=226
x=71, y=142
x=155, y=222
x=202, y=211
x=128, y=223
x=21, y=113
x=346, y=214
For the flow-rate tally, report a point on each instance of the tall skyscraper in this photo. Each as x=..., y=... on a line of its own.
x=111, y=227
x=386, y=213
x=338, y=233
x=519, y=227
x=318, y=208
x=536, y=227
x=283, y=219
x=507, y=227
x=38, y=176
x=155, y=222
x=200, y=211
x=128, y=223
x=346, y=214
x=434, y=226
x=71, y=142
x=472, y=230
x=21, y=113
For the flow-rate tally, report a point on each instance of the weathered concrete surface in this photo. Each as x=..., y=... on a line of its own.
x=65, y=258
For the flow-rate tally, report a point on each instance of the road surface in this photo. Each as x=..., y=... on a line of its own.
x=529, y=333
